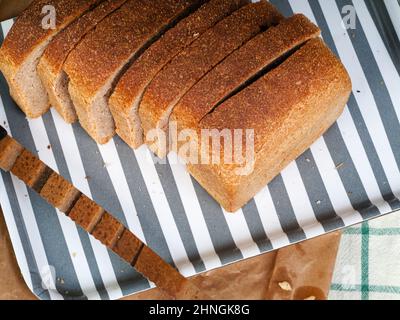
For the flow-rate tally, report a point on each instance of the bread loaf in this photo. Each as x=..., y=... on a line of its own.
x=97, y=62
x=50, y=67
x=194, y=62
x=287, y=110
x=25, y=44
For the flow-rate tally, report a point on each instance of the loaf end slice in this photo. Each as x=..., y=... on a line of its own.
x=98, y=61
x=25, y=44
x=193, y=63
x=286, y=111
x=50, y=67
x=9, y=152
x=125, y=100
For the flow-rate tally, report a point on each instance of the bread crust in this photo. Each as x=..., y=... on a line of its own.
x=98, y=60
x=288, y=109
x=24, y=45
x=125, y=100
x=195, y=61
x=259, y=53
x=50, y=67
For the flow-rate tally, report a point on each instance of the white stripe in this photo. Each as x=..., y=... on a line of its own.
x=241, y=234
x=116, y=173
x=163, y=212
x=6, y=26
x=195, y=215
x=333, y=184
x=69, y=229
x=393, y=7
x=269, y=219
x=34, y=234
x=365, y=100
x=300, y=202
x=387, y=69
x=78, y=176
x=14, y=235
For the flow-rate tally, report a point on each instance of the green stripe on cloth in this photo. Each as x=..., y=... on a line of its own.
x=358, y=288
x=374, y=232
x=364, y=261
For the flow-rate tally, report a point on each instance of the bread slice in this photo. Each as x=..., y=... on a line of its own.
x=287, y=109
x=97, y=62
x=24, y=45
x=50, y=67
x=238, y=70
x=193, y=63
x=125, y=100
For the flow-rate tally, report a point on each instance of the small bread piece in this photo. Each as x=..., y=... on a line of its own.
x=288, y=109
x=31, y=170
x=50, y=67
x=108, y=230
x=193, y=63
x=59, y=193
x=97, y=62
x=9, y=152
x=86, y=213
x=125, y=100
x=26, y=42
x=128, y=246
x=256, y=56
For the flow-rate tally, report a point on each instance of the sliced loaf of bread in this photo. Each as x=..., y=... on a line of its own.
x=125, y=100
x=50, y=67
x=285, y=110
x=25, y=44
x=97, y=62
x=193, y=63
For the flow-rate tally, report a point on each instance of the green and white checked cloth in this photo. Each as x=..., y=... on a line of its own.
x=368, y=264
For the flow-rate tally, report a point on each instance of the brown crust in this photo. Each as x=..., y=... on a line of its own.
x=86, y=213
x=9, y=152
x=108, y=230
x=132, y=85
x=115, y=39
x=195, y=61
x=29, y=168
x=240, y=66
x=59, y=192
x=27, y=32
x=128, y=246
x=288, y=109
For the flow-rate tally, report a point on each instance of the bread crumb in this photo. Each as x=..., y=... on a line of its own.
x=49, y=147
x=74, y=254
x=311, y=298
x=340, y=165
x=284, y=285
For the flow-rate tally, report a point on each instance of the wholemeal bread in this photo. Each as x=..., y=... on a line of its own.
x=97, y=62
x=125, y=100
x=193, y=63
x=50, y=67
x=254, y=58
x=287, y=109
x=86, y=213
x=24, y=45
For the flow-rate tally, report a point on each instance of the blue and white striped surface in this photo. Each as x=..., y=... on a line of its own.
x=350, y=175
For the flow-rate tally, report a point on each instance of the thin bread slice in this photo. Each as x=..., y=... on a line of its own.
x=193, y=63
x=97, y=62
x=50, y=67
x=286, y=111
x=238, y=70
x=26, y=42
x=125, y=100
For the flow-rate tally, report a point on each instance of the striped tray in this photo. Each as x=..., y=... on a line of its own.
x=350, y=175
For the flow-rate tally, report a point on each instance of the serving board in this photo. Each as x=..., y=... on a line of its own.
x=348, y=176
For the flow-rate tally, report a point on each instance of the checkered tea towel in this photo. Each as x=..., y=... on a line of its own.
x=368, y=263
